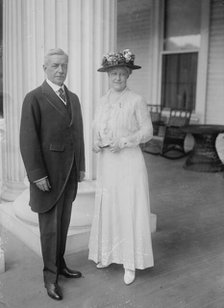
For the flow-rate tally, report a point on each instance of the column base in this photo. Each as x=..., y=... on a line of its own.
x=11, y=190
x=18, y=218
x=2, y=260
x=77, y=240
x=153, y=222
x=29, y=234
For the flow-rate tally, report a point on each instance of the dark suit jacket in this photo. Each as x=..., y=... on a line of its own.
x=51, y=141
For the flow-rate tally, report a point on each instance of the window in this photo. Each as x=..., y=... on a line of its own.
x=179, y=80
x=181, y=44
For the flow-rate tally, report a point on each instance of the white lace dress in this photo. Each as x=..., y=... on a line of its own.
x=120, y=230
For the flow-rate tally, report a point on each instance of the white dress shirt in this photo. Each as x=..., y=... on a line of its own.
x=56, y=88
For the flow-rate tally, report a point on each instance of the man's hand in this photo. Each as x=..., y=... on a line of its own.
x=43, y=184
x=81, y=176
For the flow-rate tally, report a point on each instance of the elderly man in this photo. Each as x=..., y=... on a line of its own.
x=52, y=148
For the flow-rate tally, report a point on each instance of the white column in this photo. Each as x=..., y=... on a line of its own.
x=2, y=255
x=85, y=29
x=13, y=171
x=2, y=134
x=92, y=32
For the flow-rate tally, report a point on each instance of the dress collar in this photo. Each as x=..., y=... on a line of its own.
x=117, y=99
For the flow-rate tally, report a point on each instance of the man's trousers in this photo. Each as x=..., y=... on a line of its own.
x=54, y=226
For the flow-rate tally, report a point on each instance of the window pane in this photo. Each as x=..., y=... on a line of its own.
x=182, y=24
x=179, y=80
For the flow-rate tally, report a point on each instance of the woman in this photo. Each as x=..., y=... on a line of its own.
x=120, y=230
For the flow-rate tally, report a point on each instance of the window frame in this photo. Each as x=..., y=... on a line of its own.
x=158, y=52
x=177, y=52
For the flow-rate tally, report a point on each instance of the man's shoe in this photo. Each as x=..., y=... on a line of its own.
x=68, y=273
x=54, y=291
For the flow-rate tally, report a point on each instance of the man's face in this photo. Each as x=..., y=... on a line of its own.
x=56, y=69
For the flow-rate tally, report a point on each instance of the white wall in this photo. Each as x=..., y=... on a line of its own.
x=134, y=31
x=215, y=84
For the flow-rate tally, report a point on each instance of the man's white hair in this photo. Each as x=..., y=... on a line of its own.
x=55, y=51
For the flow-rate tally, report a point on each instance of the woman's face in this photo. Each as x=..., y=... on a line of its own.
x=118, y=78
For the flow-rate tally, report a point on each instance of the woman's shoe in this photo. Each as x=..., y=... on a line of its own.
x=100, y=265
x=129, y=276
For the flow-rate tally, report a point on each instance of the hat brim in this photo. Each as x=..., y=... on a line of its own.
x=107, y=68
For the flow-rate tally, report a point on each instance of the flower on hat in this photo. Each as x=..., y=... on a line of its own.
x=112, y=58
x=121, y=58
x=128, y=55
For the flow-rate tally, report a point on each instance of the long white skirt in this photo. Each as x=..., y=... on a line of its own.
x=120, y=230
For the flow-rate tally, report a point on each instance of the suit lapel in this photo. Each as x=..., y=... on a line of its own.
x=70, y=101
x=53, y=99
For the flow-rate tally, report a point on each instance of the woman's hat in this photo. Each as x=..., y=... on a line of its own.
x=112, y=59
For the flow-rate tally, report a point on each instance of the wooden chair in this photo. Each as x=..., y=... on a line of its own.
x=174, y=137
x=157, y=122
x=169, y=141
x=155, y=113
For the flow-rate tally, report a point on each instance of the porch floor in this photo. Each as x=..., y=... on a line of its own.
x=188, y=252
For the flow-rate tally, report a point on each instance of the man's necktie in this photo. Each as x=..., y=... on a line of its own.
x=62, y=94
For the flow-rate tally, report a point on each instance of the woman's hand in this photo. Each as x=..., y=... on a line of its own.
x=96, y=147
x=115, y=146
